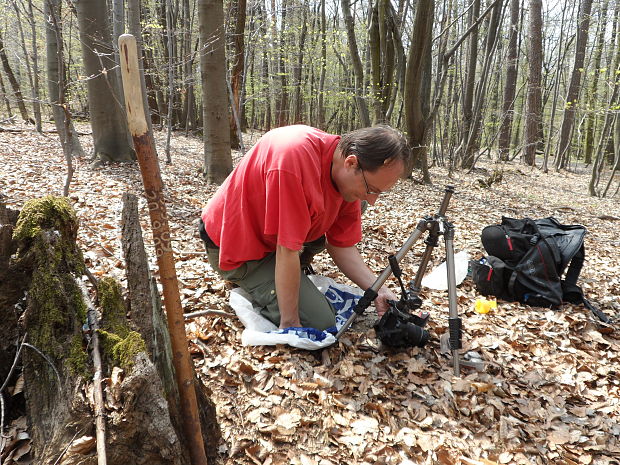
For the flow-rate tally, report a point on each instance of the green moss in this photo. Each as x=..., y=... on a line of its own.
x=49, y=212
x=46, y=229
x=121, y=351
x=78, y=357
x=125, y=351
x=113, y=308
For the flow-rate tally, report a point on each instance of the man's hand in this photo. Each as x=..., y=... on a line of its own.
x=383, y=296
x=350, y=262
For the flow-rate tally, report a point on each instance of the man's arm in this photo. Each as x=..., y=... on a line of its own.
x=350, y=262
x=287, y=286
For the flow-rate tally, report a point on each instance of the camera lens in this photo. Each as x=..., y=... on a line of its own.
x=416, y=336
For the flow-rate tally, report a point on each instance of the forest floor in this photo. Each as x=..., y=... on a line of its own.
x=550, y=391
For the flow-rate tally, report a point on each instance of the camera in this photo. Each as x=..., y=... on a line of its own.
x=399, y=328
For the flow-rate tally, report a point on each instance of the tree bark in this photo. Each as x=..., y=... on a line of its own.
x=217, y=156
x=591, y=118
x=110, y=135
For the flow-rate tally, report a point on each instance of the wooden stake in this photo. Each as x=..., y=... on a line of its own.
x=153, y=189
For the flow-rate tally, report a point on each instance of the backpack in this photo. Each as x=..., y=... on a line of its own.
x=527, y=259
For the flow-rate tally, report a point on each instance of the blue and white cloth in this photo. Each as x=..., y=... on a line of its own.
x=260, y=331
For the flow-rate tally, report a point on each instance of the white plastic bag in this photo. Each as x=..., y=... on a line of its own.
x=438, y=278
x=260, y=331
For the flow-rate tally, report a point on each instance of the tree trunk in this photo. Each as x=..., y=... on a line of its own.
x=31, y=69
x=358, y=70
x=13, y=81
x=217, y=157
x=297, y=71
x=566, y=132
x=470, y=81
x=416, y=98
x=110, y=135
x=321, y=90
x=591, y=118
x=533, y=115
x=282, y=105
x=510, y=85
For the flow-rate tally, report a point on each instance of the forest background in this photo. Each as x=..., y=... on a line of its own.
x=513, y=79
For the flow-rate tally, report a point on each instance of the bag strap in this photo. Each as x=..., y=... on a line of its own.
x=576, y=263
x=574, y=294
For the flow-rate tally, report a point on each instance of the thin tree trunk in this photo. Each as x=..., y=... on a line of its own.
x=321, y=91
x=533, y=116
x=57, y=85
x=239, y=8
x=593, y=91
x=510, y=85
x=472, y=143
x=418, y=73
x=297, y=72
x=171, y=54
x=13, y=81
x=561, y=160
x=358, y=70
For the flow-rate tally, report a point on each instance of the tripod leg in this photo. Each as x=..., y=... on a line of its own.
x=454, y=320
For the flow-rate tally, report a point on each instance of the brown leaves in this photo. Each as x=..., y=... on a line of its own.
x=550, y=390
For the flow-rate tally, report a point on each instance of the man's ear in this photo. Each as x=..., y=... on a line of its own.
x=351, y=161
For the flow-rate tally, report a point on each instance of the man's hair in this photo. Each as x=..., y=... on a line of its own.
x=375, y=146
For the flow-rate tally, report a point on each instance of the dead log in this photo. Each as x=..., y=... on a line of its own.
x=41, y=294
x=148, y=316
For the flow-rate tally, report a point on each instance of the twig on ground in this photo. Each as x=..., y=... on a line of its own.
x=192, y=315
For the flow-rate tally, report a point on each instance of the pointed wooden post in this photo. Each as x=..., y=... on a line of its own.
x=153, y=189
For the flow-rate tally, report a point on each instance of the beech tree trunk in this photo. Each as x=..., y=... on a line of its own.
x=110, y=134
x=217, y=157
x=417, y=97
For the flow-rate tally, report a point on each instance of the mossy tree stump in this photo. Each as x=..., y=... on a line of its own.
x=42, y=295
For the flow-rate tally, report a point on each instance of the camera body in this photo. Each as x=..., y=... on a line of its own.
x=399, y=328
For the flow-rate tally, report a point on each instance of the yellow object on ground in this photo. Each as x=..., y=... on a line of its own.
x=485, y=306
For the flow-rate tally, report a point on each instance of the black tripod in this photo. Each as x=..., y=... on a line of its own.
x=436, y=226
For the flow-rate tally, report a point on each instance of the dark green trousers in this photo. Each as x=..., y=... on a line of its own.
x=257, y=277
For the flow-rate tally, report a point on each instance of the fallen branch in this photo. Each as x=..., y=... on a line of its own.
x=98, y=390
x=192, y=315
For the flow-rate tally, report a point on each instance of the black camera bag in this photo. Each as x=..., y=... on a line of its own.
x=527, y=259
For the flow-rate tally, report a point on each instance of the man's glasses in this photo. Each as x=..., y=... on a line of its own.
x=368, y=191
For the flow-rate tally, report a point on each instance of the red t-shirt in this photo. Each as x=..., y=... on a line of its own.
x=281, y=193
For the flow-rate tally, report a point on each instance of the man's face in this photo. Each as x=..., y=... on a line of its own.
x=361, y=184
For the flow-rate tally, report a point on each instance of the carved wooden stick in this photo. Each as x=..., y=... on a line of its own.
x=153, y=189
